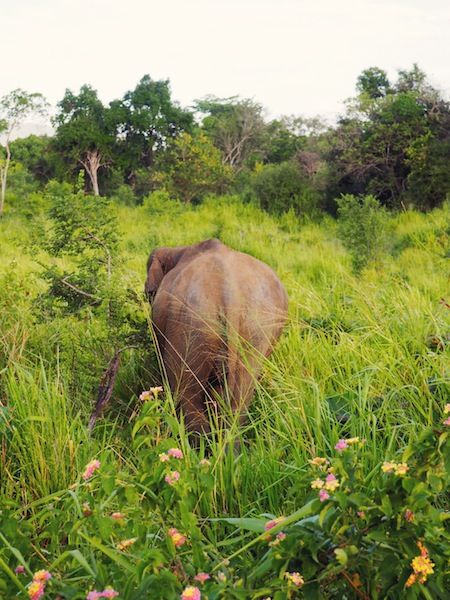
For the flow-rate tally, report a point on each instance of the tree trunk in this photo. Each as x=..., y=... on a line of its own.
x=92, y=164
x=3, y=176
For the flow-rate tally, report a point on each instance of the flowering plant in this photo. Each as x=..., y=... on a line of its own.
x=356, y=533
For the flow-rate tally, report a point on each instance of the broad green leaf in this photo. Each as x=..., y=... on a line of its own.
x=341, y=556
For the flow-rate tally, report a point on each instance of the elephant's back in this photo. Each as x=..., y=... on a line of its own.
x=225, y=280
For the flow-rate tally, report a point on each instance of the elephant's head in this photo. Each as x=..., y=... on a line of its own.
x=163, y=260
x=160, y=262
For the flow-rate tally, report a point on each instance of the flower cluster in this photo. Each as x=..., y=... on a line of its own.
x=173, y=452
x=322, y=463
x=330, y=484
x=191, y=593
x=270, y=525
x=90, y=468
x=172, y=477
x=344, y=444
x=422, y=567
x=295, y=578
x=273, y=523
x=397, y=468
x=107, y=593
x=126, y=543
x=37, y=586
x=151, y=393
x=409, y=515
x=202, y=577
x=178, y=538
x=446, y=411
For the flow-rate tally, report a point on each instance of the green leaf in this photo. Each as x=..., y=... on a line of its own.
x=76, y=554
x=359, y=500
x=108, y=484
x=248, y=524
x=386, y=505
x=341, y=556
x=110, y=553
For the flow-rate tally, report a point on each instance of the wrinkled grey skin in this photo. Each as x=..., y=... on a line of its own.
x=217, y=314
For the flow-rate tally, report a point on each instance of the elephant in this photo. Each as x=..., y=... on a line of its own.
x=217, y=314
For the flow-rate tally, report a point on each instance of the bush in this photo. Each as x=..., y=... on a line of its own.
x=362, y=228
x=282, y=187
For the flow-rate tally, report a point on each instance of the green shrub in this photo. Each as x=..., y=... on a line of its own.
x=362, y=228
x=281, y=187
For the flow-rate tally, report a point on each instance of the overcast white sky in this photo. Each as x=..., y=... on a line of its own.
x=297, y=57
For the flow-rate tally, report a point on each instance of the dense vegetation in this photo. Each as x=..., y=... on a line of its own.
x=340, y=487
x=392, y=142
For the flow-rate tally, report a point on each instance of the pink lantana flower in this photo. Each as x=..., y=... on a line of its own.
x=109, y=593
x=273, y=523
x=175, y=453
x=331, y=482
x=317, y=484
x=118, y=515
x=126, y=543
x=178, y=538
x=341, y=445
x=323, y=495
x=191, y=593
x=202, y=577
x=409, y=515
x=90, y=468
x=172, y=477
x=36, y=590
x=319, y=462
x=19, y=569
x=42, y=575
x=151, y=393
x=295, y=578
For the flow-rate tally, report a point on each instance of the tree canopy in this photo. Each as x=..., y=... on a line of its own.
x=392, y=142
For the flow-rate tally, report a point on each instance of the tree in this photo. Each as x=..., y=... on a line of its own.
x=190, y=167
x=84, y=228
x=235, y=126
x=281, y=187
x=283, y=139
x=15, y=107
x=387, y=137
x=373, y=82
x=83, y=133
x=34, y=153
x=361, y=228
x=144, y=121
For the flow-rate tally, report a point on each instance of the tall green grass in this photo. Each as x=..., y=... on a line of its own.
x=361, y=356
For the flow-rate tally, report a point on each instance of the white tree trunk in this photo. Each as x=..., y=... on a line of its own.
x=3, y=176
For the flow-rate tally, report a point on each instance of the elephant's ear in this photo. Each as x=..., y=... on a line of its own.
x=155, y=274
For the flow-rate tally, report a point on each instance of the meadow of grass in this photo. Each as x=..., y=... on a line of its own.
x=363, y=357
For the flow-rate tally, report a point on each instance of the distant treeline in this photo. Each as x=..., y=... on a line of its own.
x=392, y=143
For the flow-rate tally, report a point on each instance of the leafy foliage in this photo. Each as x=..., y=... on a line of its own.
x=236, y=128
x=191, y=167
x=147, y=534
x=143, y=120
x=362, y=228
x=387, y=136
x=281, y=187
